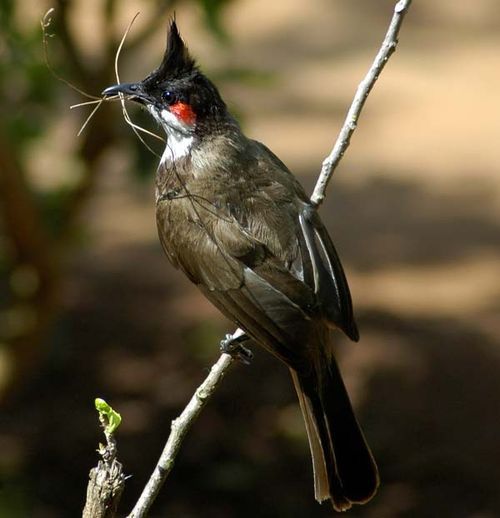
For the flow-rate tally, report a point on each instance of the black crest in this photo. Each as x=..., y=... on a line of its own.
x=176, y=61
x=178, y=72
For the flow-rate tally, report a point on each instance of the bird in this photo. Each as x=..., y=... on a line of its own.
x=234, y=219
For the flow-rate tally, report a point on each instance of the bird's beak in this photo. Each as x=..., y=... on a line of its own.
x=132, y=91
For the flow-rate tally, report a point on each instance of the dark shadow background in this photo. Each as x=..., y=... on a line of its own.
x=90, y=307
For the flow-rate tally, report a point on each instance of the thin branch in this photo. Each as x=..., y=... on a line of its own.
x=180, y=427
x=351, y=121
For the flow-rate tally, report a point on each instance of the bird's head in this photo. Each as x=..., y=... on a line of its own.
x=177, y=94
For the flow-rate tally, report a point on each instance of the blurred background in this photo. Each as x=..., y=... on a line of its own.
x=89, y=306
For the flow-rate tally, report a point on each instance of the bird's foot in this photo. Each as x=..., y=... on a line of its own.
x=231, y=344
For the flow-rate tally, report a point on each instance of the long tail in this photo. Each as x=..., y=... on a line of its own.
x=344, y=468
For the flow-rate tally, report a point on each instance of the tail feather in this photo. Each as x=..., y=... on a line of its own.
x=320, y=472
x=344, y=468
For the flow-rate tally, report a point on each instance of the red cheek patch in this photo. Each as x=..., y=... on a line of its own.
x=184, y=112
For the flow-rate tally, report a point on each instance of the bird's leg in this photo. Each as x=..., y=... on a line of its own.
x=231, y=344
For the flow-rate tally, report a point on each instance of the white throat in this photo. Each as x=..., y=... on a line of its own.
x=178, y=146
x=179, y=136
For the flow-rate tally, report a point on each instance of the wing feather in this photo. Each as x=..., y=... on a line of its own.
x=329, y=280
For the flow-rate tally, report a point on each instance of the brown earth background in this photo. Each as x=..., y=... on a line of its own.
x=414, y=211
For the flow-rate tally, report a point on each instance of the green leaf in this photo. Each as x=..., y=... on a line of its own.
x=112, y=417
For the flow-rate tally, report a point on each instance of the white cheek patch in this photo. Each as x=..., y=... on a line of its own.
x=173, y=122
x=179, y=135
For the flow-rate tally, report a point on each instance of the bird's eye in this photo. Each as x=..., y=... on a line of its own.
x=168, y=96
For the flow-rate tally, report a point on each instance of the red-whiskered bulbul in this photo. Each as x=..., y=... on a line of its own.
x=236, y=221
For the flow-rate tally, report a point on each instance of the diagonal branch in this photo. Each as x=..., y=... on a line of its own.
x=180, y=427
x=351, y=121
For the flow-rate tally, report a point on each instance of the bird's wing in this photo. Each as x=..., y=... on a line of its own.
x=317, y=262
x=257, y=290
x=275, y=301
